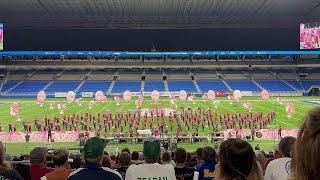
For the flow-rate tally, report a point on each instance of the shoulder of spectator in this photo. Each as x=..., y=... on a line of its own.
x=112, y=171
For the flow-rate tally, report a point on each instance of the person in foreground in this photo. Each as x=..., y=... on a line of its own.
x=207, y=170
x=6, y=170
x=37, y=160
x=181, y=171
x=237, y=161
x=93, y=153
x=60, y=159
x=151, y=169
x=305, y=163
x=279, y=168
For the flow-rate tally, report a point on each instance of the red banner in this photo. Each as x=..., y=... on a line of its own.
x=220, y=94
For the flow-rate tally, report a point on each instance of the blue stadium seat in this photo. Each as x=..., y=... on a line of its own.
x=308, y=83
x=62, y=86
x=295, y=84
x=8, y=85
x=121, y=86
x=29, y=87
x=181, y=85
x=94, y=86
x=154, y=85
x=243, y=85
x=216, y=85
x=274, y=85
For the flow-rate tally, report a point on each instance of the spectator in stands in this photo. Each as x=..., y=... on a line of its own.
x=306, y=151
x=260, y=158
x=280, y=168
x=199, y=158
x=237, y=161
x=193, y=161
x=113, y=159
x=106, y=162
x=37, y=161
x=124, y=161
x=60, y=159
x=207, y=169
x=272, y=156
x=126, y=150
x=181, y=171
x=93, y=153
x=257, y=148
x=188, y=158
x=49, y=162
x=6, y=170
x=76, y=163
x=135, y=158
x=166, y=159
x=151, y=169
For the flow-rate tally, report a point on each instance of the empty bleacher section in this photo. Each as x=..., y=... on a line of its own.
x=274, y=85
x=130, y=75
x=181, y=85
x=154, y=85
x=29, y=87
x=205, y=74
x=216, y=85
x=296, y=84
x=72, y=75
x=233, y=75
x=243, y=85
x=62, y=86
x=101, y=75
x=121, y=86
x=313, y=76
x=94, y=86
x=44, y=75
x=308, y=83
x=153, y=74
x=259, y=74
x=8, y=85
x=174, y=74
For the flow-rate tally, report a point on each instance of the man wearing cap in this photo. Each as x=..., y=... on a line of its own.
x=37, y=160
x=151, y=169
x=93, y=153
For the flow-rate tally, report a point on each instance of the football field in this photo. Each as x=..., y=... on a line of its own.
x=29, y=110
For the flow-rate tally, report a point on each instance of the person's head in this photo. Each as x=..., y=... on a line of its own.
x=209, y=154
x=286, y=145
x=49, y=157
x=237, y=161
x=3, y=164
x=257, y=145
x=126, y=150
x=124, y=159
x=166, y=156
x=199, y=154
x=93, y=150
x=38, y=156
x=260, y=158
x=193, y=159
x=151, y=150
x=60, y=157
x=188, y=157
x=76, y=163
x=180, y=155
x=134, y=155
x=106, y=162
x=306, y=152
x=113, y=157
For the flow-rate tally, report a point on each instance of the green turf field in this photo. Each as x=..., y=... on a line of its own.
x=30, y=110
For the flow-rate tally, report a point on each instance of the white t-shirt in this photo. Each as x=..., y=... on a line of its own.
x=150, y=171
x=278, y=169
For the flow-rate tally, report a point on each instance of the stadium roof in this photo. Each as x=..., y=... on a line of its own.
x=151, y=14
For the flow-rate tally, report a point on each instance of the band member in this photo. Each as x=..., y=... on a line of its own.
x=49, y=134
x=280, y=132
x=10, y=126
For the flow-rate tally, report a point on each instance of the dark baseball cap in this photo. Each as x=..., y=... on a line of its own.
x=151, y=147
x=94, y=147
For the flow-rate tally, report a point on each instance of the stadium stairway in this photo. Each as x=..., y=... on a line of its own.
x=111, y=87
x=255, y=82
x=166, y=87
x=227, y=85
x=289, y=85
x=79, y=86
x=45, y=87
x=14, y=87
x=142, y=86
x=197, y=86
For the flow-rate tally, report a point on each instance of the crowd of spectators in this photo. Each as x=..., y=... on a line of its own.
x=293, y=158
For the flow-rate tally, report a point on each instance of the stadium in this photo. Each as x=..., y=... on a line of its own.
x=191, y=74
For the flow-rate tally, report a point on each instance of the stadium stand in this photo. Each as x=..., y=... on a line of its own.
x=179, y=85
x=62, y=86
x=274, y=85
x=94, y=86
x=217, y=85
x=29, y=87
x=154, y=85
x=243, y=85
x=6, y=86
x=121, y=86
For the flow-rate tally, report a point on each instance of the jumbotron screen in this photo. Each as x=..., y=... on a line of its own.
x=1, y=36
x=310, y=36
